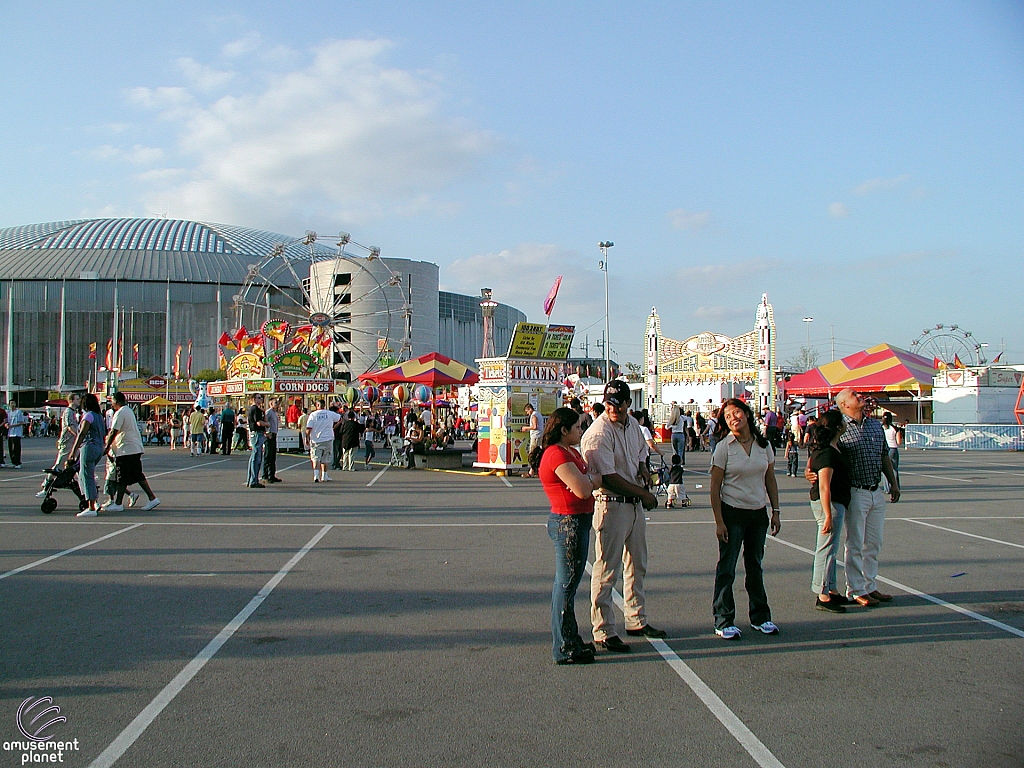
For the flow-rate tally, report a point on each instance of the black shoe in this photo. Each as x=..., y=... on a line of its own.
x=274, y=480
x=835, y=597
x=647, y=631
x=614, y=644
x=829, y=605
x=256, y=485
x=582, y=656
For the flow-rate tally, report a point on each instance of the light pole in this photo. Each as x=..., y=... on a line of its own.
x=604, y=245
x=808, y=320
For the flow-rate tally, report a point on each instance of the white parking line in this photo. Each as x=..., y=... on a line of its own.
x=964, y=533
x=186, y=469
x=937, y=477
x=378, y=475
x=505, y=481
x=68, y=551
x=754, y=746
x=138, y=726
x=918, y=593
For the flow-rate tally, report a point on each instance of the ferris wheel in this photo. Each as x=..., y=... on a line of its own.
x=339, y=299
x=949, y=343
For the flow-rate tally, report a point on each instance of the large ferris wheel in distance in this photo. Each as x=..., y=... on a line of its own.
x=949, y=343
x=349, y=298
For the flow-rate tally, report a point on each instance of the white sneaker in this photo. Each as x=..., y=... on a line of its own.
x=132, y=499
x=768, y=628
x=106, y=503
x=111, y=507
x=153, y=504
x=87, y=513
x=326, y=478
x=41, y=495
x=729, y=633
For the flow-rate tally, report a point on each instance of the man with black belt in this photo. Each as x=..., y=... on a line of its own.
x=615, y=447
x=270, y=458
x=863, y=443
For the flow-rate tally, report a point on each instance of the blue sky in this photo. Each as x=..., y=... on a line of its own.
x=862, y=163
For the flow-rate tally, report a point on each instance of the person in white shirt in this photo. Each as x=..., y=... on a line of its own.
x=124, y=443
x=16, y=421
x=320, y=438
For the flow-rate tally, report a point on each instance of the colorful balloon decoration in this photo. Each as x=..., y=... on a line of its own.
x=351, y=396
x=371, y=394
x=423, y=393
x=401, y=394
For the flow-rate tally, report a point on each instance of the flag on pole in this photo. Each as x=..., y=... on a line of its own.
x=222, y=362
x=135, y=352
x=549, y=302
x=224, y=340
x=109, y=360
x=997, y=358
x=957, y=362
x=177, y=362
x=120, y=352
x=188, y=365
x=92, y=351
x=240, y=336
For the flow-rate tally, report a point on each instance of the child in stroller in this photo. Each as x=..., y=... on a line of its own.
x=61, y=477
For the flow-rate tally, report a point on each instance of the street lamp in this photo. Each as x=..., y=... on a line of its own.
x=808, y=320
x=604, y=245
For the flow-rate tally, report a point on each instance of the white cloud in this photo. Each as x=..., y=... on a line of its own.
x=247, y=43
x=137, y=155
x=838, y=211
x=680, y=218
x=204, y=77
x=522, y=277
x=880, y=185
x=345, y=137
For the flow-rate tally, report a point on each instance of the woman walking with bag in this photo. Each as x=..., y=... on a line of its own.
x=569, y=487
x=742, y=485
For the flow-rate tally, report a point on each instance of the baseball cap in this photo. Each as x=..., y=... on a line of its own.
x=616, y=392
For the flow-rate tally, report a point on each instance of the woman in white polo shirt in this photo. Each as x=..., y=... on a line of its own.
x=742, y=486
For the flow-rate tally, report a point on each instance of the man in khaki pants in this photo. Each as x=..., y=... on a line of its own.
x=615, y=447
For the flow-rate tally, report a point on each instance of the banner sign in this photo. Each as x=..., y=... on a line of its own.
x=304, y=386
x=245, y=365
x=557, y=342
x=293, y=363
x=527, y=339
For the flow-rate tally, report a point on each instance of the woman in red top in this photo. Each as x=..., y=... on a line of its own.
x=570, y=488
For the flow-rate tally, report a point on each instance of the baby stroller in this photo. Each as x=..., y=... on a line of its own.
x=659, y=479
x=66, y=477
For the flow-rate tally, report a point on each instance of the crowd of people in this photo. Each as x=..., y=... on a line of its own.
x=595, y=470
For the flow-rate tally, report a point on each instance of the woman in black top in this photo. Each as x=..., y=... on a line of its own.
x=830, y=495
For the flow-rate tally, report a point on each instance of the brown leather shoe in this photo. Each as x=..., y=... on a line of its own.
x=880, y=596
x=866, y=601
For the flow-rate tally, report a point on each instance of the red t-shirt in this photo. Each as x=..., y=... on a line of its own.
x=563, y=501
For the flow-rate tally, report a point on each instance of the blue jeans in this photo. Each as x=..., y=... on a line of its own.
x=259, y=439
x=823, y=577
x=571, y=534
x=894, y=457
x=88, y=457
x=748, y=529
x=679, y=446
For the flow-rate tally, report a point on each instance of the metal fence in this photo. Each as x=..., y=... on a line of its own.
x=965, y=437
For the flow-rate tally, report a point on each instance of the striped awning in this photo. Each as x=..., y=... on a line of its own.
x=433, y=369
x=882, y=368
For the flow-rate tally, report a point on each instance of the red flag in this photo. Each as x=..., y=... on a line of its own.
x=188, y=365
x=92, y=351
x=224, y=340
x=109, y=361
x=240, y=336
x=549, y=302
x=135, y=353
x=177, y=362
x=957, y=362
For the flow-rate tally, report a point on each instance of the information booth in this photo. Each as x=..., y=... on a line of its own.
x=533, y=372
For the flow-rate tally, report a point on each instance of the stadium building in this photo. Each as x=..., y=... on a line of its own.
x=123, y=284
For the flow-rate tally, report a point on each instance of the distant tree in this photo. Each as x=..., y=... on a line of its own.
x=805, y=361
x=209, y=374
x=634, y=372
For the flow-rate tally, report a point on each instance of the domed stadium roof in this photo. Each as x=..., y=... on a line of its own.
x=139, y=249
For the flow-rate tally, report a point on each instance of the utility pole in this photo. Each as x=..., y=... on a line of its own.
x=604, y=245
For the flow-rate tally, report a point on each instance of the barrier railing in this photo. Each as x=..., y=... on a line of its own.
x=965, y=437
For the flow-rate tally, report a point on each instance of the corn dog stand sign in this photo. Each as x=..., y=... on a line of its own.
x=533, y=371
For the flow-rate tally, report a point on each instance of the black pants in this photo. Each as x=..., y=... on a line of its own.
x=270, y=457
x=227, y=435
x=14, y=448
x=2, y=447
x=747, y=529
x=336, y=458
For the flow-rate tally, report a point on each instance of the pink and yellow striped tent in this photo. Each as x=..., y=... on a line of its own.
x=882, y=368
x=433, y=369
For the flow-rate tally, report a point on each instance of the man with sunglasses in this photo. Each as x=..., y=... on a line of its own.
x=615, y=447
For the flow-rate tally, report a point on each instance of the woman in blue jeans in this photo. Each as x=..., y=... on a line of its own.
x=830, y=496
x=570, y=487
x=92, y=430
x=742, y=486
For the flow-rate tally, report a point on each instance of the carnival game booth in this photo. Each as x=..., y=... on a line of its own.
x=900, y=380
x=535, y=372
x=425, y=375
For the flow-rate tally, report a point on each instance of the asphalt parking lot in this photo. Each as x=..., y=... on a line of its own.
x=400, y=618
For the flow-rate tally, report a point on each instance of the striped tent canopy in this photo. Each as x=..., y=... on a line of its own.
x=433, y=369
x=882, y=368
